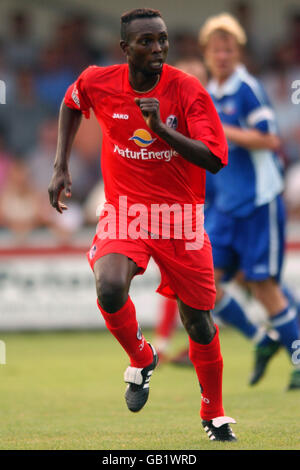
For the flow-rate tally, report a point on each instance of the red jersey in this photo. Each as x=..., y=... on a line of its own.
x=135, y=162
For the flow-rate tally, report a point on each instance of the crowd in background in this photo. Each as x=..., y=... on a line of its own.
x=36, y=78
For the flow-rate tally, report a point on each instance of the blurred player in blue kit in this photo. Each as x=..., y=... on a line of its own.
x=247, y=219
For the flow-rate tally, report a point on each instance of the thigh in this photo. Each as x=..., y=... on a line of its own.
x=116, y=269
x=186, y=274
x=134, y=250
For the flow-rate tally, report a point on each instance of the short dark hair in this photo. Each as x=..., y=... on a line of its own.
x=137, y=13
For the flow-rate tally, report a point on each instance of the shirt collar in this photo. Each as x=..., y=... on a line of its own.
x=230, y=86
x=128, y=88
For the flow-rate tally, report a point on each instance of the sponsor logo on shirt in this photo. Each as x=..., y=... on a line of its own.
x=142, y=138
x=120, y=116
x=172, y=121
x=144, y=154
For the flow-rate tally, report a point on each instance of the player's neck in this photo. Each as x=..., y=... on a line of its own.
x=221, y=79
x=142, y=84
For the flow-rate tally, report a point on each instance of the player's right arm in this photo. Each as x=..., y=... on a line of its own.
x=68, y=124
x=76, y=102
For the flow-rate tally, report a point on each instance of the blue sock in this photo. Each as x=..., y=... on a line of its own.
x=286, y=324
x=229, y=311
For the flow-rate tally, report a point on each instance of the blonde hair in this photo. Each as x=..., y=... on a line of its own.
x=223, y=22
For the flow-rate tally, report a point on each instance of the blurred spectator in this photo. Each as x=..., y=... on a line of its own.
x=284, y=69
x=184, y=45
x=40, y=162
x=20, y=48
x=24, y=208
x=53, y=77
x=294, y=31
x=88, y=141
x=113, y=55
x=21, y=209
x=292, y=191
x=94, y=204
x=194, y=67
x=72, y=40
x=20, y=119
x=7, y=75
x=243, y=11
x=5, y=163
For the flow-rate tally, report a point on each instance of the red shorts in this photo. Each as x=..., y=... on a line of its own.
x=187, y=274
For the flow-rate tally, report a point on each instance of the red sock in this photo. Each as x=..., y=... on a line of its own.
x=208, y=362
x=123, y=325
x=168, y=319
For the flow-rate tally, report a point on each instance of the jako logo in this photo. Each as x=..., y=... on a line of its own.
x=120, y=116
x=142, y=138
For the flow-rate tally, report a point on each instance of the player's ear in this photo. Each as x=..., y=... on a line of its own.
x=124, y=46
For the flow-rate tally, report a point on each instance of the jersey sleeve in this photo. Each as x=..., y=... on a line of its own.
x=202, y=119
x=257, y=112
x=77, y=95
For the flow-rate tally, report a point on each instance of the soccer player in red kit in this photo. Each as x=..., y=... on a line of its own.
x=160, y=133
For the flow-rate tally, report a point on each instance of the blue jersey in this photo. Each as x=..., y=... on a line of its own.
x=252, y=178
x=210, y=195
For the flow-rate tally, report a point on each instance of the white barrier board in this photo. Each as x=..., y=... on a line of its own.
x=57, y=292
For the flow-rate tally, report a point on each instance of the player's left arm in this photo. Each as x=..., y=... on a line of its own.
x=260, y=127
x=252, y=139
x=192, y=150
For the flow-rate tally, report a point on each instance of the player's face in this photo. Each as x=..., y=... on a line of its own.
x=147, y=45
x=222, y=53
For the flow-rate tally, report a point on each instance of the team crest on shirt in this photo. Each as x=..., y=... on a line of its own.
x=172, y=121
x=142, y=138
x=229, y=107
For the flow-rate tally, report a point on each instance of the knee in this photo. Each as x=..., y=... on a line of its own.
x=111, y=293
x=199, y=326
x=262, y=289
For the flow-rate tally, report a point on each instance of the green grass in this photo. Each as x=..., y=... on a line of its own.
x=66, y=391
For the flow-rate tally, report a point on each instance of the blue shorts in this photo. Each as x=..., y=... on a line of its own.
x=252, y=244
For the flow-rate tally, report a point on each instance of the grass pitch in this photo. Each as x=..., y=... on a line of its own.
x=66, y=391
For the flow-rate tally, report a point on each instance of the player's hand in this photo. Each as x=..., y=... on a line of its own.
x=61, y=180
x=150, y=111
